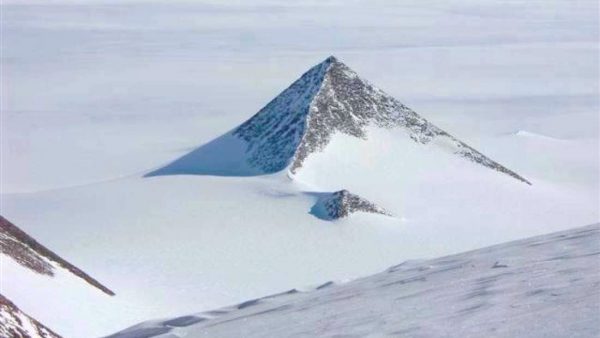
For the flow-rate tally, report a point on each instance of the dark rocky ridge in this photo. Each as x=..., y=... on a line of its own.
x=276, y=131
x=26, y=251
x=332, y=98
x=16, y=324
x=342, y=203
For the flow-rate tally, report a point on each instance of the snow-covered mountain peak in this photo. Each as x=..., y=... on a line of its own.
x=328, y=99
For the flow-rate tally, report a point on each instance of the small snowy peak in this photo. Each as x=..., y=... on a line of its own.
x=524, y=133
x=342, y=204
x=532, y=135
x=15, y=323
x=329, y=98
x=29, y=253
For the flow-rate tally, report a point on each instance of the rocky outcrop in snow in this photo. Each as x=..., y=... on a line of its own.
x=329, y=98
x=16, y=324
x=343, y=203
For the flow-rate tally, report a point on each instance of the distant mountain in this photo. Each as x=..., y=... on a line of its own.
x=544, y=286
x=329, y=98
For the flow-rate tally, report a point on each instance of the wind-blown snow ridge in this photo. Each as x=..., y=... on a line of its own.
x=329, y=98
x=343, y=203
x=546, y=285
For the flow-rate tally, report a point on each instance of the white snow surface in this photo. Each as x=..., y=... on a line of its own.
x=95, y=95
x=545, y=286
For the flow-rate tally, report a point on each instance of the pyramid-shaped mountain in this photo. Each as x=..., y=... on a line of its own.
x=329, y=98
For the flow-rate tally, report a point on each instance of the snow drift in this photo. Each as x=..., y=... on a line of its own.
x=545, y=286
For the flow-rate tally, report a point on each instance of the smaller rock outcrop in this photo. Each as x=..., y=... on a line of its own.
x=343, y=203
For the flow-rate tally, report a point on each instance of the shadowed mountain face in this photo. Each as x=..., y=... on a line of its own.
x=330, y=98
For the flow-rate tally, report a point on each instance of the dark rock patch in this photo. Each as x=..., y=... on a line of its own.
x=343, y=203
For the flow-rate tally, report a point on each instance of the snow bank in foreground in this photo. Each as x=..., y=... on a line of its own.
x=545, y=286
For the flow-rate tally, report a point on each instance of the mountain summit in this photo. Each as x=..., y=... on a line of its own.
x=329, y=98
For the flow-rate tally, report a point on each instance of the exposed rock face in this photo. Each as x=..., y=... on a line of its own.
x=332, y=98
x=276, y=131
x=16, y=324
x=343, y=203
x=26, y=251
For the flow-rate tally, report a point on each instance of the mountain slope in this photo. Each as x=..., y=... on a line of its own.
x=328, y=99
x=544, y=286
x=16, y=324
x=26, y=251
x=34, y=276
